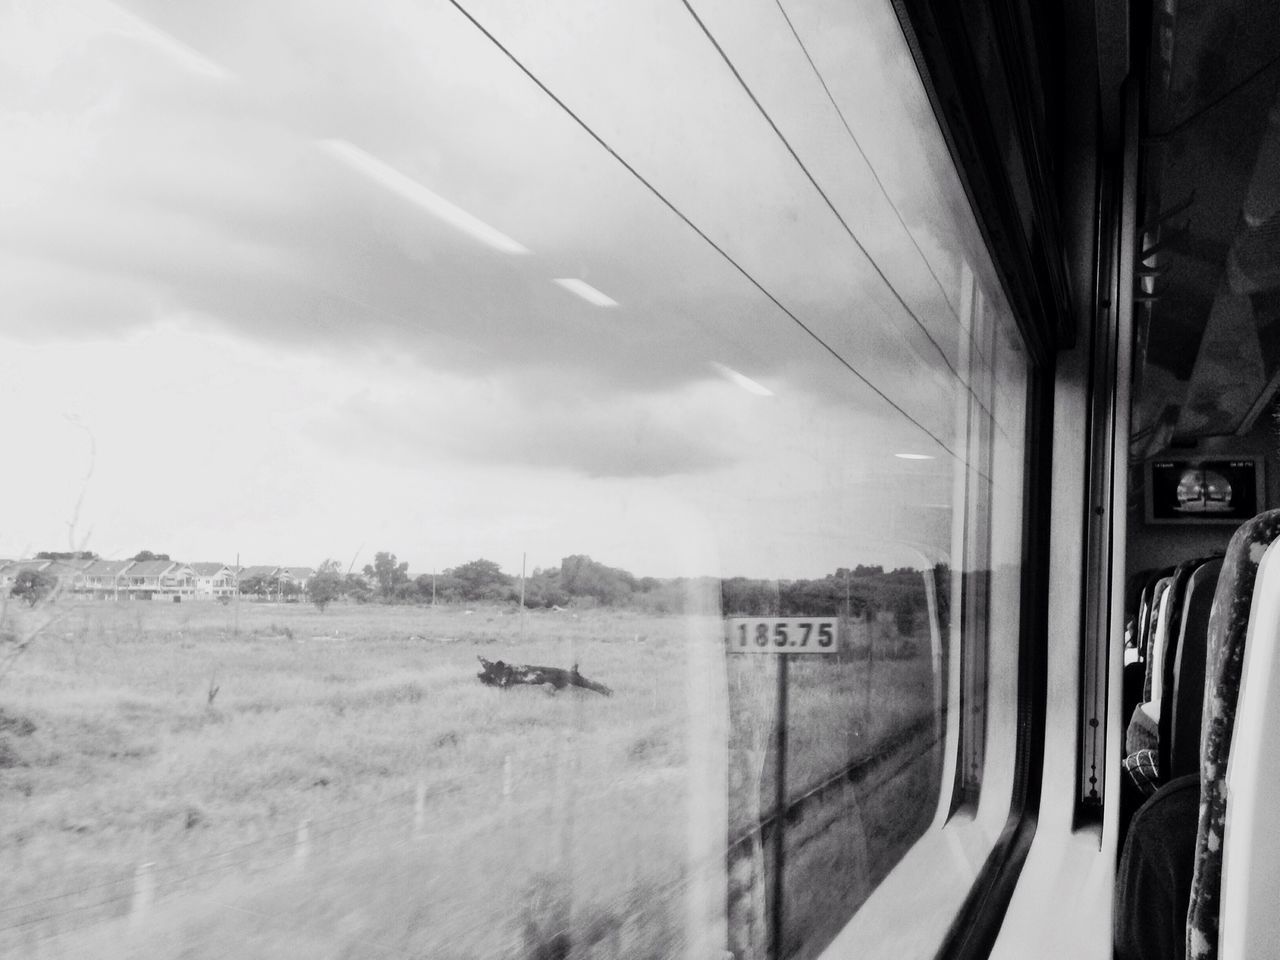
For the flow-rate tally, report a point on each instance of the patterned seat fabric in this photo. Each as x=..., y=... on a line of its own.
x=1228, y=623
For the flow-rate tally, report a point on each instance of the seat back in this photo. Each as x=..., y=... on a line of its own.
x=1249, y=921
x=1144, y=618
x=1155, y=645
x=1175, y=603
x=1185, y=701
x=1224, y=654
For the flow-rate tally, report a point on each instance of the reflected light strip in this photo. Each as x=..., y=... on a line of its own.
x=135, y=27
x=745, y=382
x=417, y=194
x=913, y=456
x=587, y=292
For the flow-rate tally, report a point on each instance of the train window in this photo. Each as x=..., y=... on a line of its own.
x=579, y=458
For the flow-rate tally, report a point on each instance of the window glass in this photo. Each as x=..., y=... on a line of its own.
x=490, y=482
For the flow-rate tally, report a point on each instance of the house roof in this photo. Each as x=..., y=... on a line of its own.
x=247, y=573
x=17, y=566
x=107, y=568
x=151, y=568
x=298, y=573
x=68, y=568
x=208, y=569
x=74, y=564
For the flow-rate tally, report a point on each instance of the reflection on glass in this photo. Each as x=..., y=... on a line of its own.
x=416, y=396
x=1203, y=491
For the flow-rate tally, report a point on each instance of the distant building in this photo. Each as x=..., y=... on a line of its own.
x=300, y=576
x=214, y=580
x=160, y=580
x=104, y=579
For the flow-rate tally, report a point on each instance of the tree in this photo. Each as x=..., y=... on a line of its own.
x=481, y=580
x=66, y=555
x=580, y=576
x=355, y=586
x=256, y=586
x=542, y=589
x=148, y=555
x=326, y=585
x=32, y=586
x=387, y=573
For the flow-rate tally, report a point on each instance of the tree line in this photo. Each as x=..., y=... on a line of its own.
x=860, y=591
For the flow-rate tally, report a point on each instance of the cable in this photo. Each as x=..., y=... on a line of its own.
x=816, y=186
x=696, y=229
x=832, y=207
x=857, y=145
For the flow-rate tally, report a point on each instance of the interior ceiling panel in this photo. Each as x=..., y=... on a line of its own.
x=1209, y=309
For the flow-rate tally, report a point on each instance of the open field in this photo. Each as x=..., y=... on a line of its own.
x=339, y=785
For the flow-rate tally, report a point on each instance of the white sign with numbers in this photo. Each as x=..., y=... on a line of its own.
x=781, y=634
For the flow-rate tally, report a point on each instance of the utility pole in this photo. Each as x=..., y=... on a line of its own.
x=523, y=559
x=236, y=580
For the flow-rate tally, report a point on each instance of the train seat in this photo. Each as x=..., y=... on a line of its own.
x=1249, y=922
x=1184, y=704
x=1167, y=883
x=1148, y=736
x=1224, y=656
x=1155, y=643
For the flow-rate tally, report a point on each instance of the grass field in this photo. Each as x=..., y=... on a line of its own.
x=339, y=784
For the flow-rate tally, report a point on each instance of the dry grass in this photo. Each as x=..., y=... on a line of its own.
x=159, y=733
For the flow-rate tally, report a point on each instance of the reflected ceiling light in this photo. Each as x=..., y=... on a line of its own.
x=417, y=194
x=587, y=292
x=913, y=456
x=745, y=382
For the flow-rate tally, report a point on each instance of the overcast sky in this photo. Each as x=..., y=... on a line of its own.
x=279, y=280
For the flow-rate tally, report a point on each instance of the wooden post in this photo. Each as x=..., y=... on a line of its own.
x=523, y=559
x=780, y=811
x=872, y=616
x=420, y=811
x=144, y=895
x=302, y=846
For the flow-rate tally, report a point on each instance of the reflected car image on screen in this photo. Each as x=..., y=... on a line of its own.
x=1203, y=491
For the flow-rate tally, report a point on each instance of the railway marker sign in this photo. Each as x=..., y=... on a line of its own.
x=784, y=638
x=778, y=635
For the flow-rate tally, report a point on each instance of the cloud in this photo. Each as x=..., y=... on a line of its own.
x=455, y=420
x=198, y=196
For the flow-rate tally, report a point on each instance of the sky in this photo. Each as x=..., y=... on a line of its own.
x=305, y=279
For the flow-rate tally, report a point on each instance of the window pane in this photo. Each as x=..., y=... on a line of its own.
x=437, y=420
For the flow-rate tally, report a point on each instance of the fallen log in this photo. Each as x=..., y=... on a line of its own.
x=496, y=673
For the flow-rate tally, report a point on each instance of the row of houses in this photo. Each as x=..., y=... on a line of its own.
x=157, y=579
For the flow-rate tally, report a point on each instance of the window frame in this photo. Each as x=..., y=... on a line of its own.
x=983, y=107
